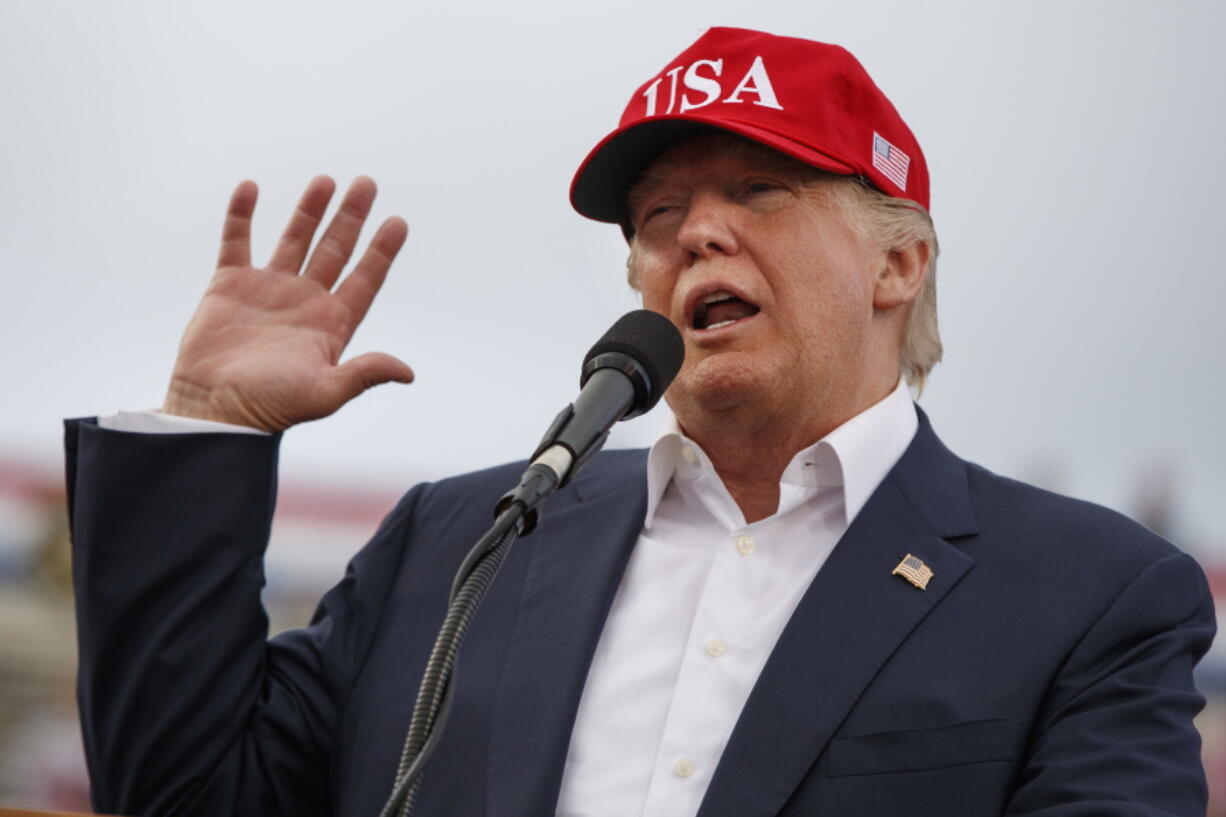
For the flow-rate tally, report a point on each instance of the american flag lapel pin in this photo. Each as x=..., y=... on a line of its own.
x=913, y=569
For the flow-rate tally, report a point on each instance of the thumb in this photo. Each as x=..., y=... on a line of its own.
x=369, y=370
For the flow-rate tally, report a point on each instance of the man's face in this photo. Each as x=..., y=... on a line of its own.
x=746, y=252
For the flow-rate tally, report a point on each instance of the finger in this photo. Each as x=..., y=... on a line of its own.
x=296, y=240
x=333, y=250
x=367, y=371
x=362, y=285
x=236, y=233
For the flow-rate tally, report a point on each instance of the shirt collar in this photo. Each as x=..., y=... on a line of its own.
x=855, y=457
x=869, y=444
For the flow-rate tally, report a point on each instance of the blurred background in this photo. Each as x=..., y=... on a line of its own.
x=1077, y=186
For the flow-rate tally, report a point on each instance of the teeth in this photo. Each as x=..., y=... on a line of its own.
x=721, y=295
x=721, y=323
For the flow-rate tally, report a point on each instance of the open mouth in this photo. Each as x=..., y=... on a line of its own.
x=721, y=309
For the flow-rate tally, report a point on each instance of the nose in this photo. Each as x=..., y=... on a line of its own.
x=707, y=230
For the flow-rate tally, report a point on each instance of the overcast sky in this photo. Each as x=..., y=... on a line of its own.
x=1077, y=190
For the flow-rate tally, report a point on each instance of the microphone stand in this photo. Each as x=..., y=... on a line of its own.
x=516, y=516
x=433, y=703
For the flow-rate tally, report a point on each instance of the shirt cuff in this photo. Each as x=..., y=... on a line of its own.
x=155, y=422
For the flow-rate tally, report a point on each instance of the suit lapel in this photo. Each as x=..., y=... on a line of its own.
x=851, y=619
x=579, y=554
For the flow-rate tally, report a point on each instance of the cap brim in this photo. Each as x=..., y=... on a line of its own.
x=599, y=188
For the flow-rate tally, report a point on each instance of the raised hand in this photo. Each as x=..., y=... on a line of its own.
x=263, y=348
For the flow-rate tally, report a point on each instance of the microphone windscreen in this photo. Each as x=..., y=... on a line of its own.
x=652, y=340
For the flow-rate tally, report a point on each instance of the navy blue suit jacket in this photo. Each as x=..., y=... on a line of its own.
x=1046, y=669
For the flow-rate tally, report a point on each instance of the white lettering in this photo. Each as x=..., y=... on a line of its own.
x=761, y=85
x=672, y=88
x=696, y=82
x=650, y=93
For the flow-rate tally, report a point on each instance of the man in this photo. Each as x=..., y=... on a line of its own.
x=798, y=602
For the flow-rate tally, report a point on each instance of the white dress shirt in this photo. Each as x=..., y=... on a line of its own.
x=704, y=598
x=703, y=601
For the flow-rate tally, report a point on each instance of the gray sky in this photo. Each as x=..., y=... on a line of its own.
x=1076, y=189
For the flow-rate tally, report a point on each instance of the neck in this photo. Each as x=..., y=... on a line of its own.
x=750, y=455
x=750, y=449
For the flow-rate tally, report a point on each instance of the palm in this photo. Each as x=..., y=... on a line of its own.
x=264, y=345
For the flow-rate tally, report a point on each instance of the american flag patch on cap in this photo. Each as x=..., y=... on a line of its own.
x=913, y=569
x=890, y=160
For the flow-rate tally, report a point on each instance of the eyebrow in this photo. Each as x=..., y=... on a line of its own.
x=641, y=189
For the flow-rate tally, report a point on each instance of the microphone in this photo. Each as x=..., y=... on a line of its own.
x=624, y=375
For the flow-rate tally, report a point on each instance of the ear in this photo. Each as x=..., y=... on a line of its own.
x=901, y=276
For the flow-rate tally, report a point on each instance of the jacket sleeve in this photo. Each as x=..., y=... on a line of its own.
x=1116, y=736
x=185, y=707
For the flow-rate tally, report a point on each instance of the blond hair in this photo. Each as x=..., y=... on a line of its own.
x=891, y=223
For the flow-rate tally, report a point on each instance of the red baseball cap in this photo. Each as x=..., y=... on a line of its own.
x=810, y=100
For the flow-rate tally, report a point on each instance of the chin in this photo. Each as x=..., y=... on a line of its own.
x=721, y=383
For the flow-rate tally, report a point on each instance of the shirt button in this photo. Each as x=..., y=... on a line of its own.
x=688, y=455
x=716, y=648
x=683, y=767
x=744, y=545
